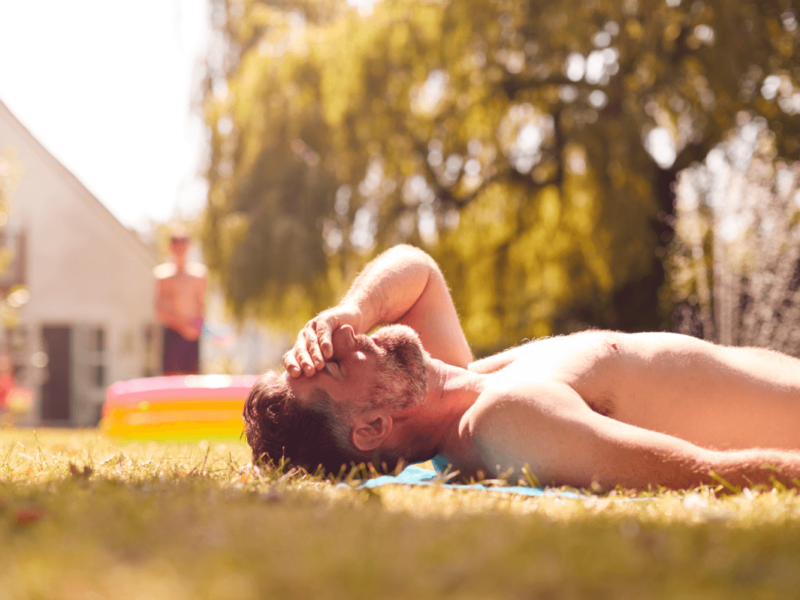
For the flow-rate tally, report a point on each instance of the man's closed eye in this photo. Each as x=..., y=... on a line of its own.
x=335, y=369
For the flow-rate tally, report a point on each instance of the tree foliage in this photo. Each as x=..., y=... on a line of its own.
x=530, y=146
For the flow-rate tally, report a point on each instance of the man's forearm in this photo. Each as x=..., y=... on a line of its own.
x=172, y=319
x=389, y=285
x=743, y=468
x=403, y=285
x=612, y=452
x=732, y=468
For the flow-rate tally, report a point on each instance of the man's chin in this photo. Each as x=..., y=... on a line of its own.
x=402, y=367
x=397, y=337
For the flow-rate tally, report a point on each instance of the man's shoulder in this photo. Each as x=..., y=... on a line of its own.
x=500, y=409
x=165, y=270
x=197, y=270
x=168, y=270
x=498, y=406
x=526, y=426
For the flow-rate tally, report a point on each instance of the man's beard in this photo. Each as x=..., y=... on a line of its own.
x=401, y=378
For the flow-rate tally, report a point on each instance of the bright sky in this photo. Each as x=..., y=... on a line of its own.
x=108, y=87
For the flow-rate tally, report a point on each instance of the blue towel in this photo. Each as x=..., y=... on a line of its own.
x=413, y=475
x=439, y=463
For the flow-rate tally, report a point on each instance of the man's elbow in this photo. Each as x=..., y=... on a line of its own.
x=411, y=253
x=412, y=257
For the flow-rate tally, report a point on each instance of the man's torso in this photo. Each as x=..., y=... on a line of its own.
x=182, y=291
x=672, y=384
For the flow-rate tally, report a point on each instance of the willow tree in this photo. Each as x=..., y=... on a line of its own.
x=530, y=146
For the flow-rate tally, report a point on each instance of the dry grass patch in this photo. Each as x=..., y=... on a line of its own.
x=82, y=516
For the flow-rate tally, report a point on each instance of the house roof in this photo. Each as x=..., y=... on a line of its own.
x=126, y=235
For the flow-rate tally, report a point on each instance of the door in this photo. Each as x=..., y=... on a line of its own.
x=88, y=361
x=57, y=390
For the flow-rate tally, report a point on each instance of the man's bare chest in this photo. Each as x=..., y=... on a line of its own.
x=181, y=284
x=588, y=362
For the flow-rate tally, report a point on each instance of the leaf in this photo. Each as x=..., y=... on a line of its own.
x=26, y=516
x=724, y=483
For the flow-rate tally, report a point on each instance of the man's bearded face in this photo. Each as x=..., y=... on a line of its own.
x=401, y=378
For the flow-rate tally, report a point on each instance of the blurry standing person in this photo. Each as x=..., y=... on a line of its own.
x=180, y=307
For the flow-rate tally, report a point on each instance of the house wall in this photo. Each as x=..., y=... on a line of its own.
x=83, y=270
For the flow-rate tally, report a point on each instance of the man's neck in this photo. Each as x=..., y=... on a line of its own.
x=434, y=426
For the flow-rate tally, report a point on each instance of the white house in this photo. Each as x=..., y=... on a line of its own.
x=88, y=321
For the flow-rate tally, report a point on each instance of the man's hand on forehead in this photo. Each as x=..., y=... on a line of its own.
x=314, y=342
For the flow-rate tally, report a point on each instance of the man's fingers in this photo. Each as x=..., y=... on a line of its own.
x=302, y=356
x=312, y=344
x=291, y=364
x=308, y=338
x=325, y=343
x=324, y=334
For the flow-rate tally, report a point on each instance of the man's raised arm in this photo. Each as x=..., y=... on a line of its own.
x=402, y=285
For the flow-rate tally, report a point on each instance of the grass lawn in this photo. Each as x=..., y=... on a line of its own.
x=172, y=521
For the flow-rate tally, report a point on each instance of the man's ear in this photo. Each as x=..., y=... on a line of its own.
x=370, y=430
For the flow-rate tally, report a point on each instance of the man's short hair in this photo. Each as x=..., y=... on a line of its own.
x=178, y=236
x=318, y=432
x=278, y=426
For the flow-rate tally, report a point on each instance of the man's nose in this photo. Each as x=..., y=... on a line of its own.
x=343, y=340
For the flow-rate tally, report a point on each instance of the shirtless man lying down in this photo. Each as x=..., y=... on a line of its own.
x=597, y=407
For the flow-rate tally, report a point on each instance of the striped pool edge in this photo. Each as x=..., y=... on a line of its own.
x=186, y=407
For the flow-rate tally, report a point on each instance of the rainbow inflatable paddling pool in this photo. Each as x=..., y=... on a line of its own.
x=178, y=407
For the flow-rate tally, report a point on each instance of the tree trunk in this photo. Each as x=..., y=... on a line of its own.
x=637, y=305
